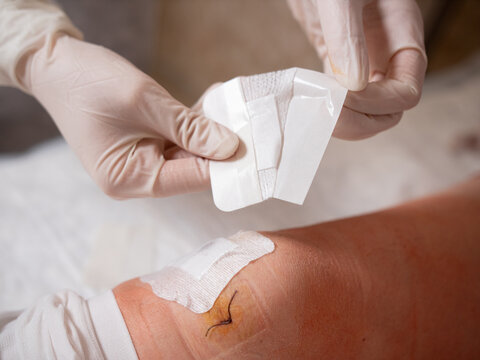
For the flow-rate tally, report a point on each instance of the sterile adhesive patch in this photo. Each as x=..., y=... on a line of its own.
x=284, y=120
x=195, y=281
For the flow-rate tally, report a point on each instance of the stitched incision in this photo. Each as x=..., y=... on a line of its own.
x=227, y=321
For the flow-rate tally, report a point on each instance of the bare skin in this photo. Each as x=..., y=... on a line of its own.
x=403, y=283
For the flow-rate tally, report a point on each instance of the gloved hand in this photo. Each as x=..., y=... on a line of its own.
x=376, y=50
x=132, y=137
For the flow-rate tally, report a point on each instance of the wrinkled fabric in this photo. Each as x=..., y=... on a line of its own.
x=25, y=26
x=66, y=326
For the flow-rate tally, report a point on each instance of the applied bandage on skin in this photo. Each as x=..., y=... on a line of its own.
x=284, y=120
x=197, y=280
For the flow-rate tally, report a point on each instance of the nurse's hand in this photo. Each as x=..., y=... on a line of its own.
x=376, y=50
x=132, y=137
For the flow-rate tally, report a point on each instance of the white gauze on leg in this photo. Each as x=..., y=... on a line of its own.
x=284, y=120
x=195, y=281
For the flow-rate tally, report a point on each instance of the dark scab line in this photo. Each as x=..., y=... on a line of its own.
x=224, y=322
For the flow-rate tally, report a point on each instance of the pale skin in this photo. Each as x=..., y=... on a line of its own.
x=403, y=283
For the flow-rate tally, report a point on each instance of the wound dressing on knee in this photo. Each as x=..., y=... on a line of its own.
x=284, y=121
x=195, y=281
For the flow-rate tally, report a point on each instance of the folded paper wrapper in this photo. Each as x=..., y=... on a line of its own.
x=284, y=121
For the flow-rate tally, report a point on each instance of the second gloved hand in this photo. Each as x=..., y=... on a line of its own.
x=375, y=49
x=132, y=137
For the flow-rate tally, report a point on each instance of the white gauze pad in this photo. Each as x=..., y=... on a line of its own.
x=195, y=281
x=284, y=120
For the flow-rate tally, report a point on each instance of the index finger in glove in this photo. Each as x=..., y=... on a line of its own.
x=342, y=26
x=187, y=128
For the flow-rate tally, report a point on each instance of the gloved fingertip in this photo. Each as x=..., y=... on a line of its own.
x=204, y=137
x=353, y=82
x=350, y=66
x=227, y=146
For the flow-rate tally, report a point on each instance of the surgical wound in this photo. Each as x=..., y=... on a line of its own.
x=234, y=317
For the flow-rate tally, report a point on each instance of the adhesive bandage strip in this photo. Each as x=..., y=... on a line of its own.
x=197, y=280
x=284, y=121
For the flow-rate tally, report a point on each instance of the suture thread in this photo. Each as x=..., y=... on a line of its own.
x=224, y=322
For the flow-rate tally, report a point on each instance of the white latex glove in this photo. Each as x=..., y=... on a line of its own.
x=126, y=129
x=376, y=50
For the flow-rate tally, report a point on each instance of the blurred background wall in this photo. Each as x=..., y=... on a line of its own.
x=187, y=45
